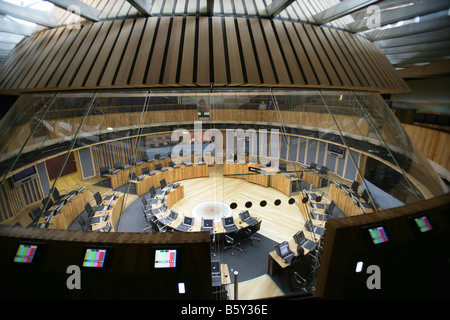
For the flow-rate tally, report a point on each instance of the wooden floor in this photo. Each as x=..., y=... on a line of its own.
x=279, y=223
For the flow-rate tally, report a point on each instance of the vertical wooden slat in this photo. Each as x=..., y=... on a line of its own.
x=147, y=41
x=315, y=62
x=62, y=68
x=251, y=68
x=154, y=71
x=263, y=55
x=97, y=69
x=91, y=55
x=234, y=58
x=59, y=56
x=187, y=61
x=79, y=55
x=291, y=60
x=173, y=52
x=113, y=64
x=220, y=72
x=130, y=52
x=305, y=65
x=203, y=55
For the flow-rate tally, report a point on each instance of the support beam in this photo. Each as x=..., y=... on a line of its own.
x=28, y=14
x=432, y=69
x=85, y=10
x=403, y=13
x=143, y=6
x=14, y=27
x=409, y=29
x=342, y=9
x=419, y=47
x=425, y=37
x=277, y=6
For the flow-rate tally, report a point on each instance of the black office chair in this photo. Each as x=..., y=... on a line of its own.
x=89, y=209
x=251, y=231
x=355, y=186
x=85, y=223
x=57, y=197
x=47, y=203
x=118, y=166
x=233, y=241
x=35, y=214
x=313, y=166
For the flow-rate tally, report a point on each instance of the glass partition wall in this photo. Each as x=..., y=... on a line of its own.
x=341, y=145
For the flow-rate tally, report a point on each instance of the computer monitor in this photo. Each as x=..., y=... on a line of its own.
x=167, y=258
x=377, y=235
x=228, y=221
x=27, y=252
x=158, y=166
x=152, y=190
x=421, y=224
x=96, y=257
x=299, y=236
x=207, y=223
x=163, y=183
x=244, y=215
x=188, y=220
x=283, y=249
x=98, y=198
x=145, y=170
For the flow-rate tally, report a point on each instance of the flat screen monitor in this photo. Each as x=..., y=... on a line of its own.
x=299, y=236
x=228, y=221
x=283, y=249
x=24, y=174
x=245, y=215
x=188, y=221
x=26, y=253
x=158, y=166
x=336, y=150
x=165, y=258
x=422, y=224
x=378, y=235
x=98, y=198
x=208, y=223
x=163, y=183
x=96, y=258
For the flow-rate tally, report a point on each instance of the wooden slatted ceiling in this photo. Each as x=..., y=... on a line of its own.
x=197, y=51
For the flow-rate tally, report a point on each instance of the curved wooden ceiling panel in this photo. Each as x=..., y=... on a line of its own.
x=197, y=52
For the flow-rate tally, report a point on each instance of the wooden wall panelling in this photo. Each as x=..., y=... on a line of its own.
x=262, y=54
x=16, y=54
x=335, y=61
x=171, y=57
x=107, y=78
x=188, y=53
x=204, y=53
x=66, y=60
x=234, y=58
x=91, y=56
x=322, y=54
x=103, y=55
x=24, y=64
x=140, y=66
x=281, y=71
x=154, y=72
x=251, y=67
x=72, y=71
x=342, y=58
x=291, y=59
x=312, y=56
x=130, y=52
x=220, y=66
x=66, y=43
x=42, y=64
x=305, y=66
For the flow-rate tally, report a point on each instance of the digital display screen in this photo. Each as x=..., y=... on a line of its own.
x=25, y=253
x=378, y=235
x=24, y=173
x=94, y=258
x=423, y=224
x=165, y=258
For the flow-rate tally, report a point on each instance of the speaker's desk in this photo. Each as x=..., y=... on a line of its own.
x=345, y=201
x=170, y=175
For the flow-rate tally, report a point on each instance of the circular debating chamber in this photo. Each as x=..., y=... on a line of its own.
x=172, y=150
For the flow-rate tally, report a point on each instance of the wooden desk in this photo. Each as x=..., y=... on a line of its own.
x=282, y=183
x=115, y=211
x=241, y=171
x=69, y=211
x=345, y=202
x=118, y=179
x=171, y=175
